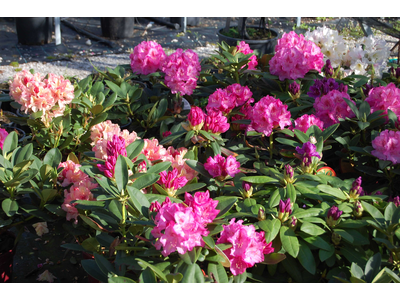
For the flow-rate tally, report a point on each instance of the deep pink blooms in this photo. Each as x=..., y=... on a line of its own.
x=115, y=147
x=166, y=133
x=181, y=71
x=216, y=122
x=285, y=206
x=3, y=135
x=244, y=48
x=268, y=114
x=386, y=146
x=196, y=118
x=306, y=121
x=232, y=96
x=171, y=181
x=330, y=107
x=180, y=227
x=248, y=246
x=295, y=56
x=307, y=151
x=147, y=57
x=219, y=167
x=384, y=98
x=356, y=189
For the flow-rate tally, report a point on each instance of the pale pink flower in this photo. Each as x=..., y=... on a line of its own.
x=76, y=192
x=216, y=122
x=269, y=113
x=384, y=98
x=330, y=107
x=203, y=206
x=71, y=173
x=244, y=48
x=153, y=151
x=3, y=135
x=181, y=71
x=248, y=246
x=62, y=90
x=220, y=168
x=306, y=121
x=40, y=228
x=386, y=146
x=46, y=276
x=178, y=162
x=147, y=58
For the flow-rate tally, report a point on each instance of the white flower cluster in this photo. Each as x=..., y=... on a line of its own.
x=355, y=59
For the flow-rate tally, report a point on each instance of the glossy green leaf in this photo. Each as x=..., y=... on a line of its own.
x=259, y=179
x=159, y=167
x=53, y=158
x=389, y=211
x=394, y=276
x=120, y=279
x=105, y=266
x=289, y=241
x=316, y=241
x=332, y=191
x=217, y=271
x=90, y=266
x=306, y=258
x=198, y=166
x=356, y=271
x=324, y=255
x=373, y=211
x=121, y=173
x=135, y=148
x=353, y=256
x=172, y=137
x=372, y=267
x=225, y=203
x=209, y=241
x=145, y=180
x=276, y=196
x=271, y=228
x=273, y=258
x=174, y=278
x=156, y=270
x=305, y=213
x=190, y=188
x=192, y=274
x=138, y=200
x=291, y=193
x=10, y=207
x=10, y=143
x=311, y=229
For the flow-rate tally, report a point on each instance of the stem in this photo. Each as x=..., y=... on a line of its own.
x=123, y=221
x=236, y=74
x=271, y=145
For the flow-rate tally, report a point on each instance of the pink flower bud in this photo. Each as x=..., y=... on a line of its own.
x=196, y=118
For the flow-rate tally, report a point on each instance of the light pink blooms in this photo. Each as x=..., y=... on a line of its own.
x=181, y=71
x=216, y=122
x=3, y=135
x=220, y=168
x=147, y=57
x=203, y=206
x=295, y=56
x=196, y=118
x=175, y=156
x=248, y=246
x=269, y=113
x=386, y=146
x=384, y=98
x=46, y=276
x=178, y=228
x=306, y=121
x=36, y=93
x=330, y=107
x=71, y=173
x=40, y=228
x=103, y=132
x=153, y=151
x=245, y=49
x=171, y=181
x=232, y=96
x=115, y=147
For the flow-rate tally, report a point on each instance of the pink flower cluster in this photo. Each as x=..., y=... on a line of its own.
x=384, y=98
x=214, y=122
x=147, y=57
x=244, y=48
x=386, y=146
x=181, y=71
x=269, y=113
x=36, y=93
x=295, y=56
x=3, y=135
x=225, y=100
x=248, y=246
x=103, y=132
x=172, y=181
x=306, y=121
x=115, y=147
x=175, y=156
x=81, y=187
x=220, y=168
x=330, y=107
x=180, y=226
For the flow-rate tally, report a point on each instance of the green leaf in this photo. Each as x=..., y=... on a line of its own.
x=373, y=211
x=395, y=277
x=329, y=131
x=138, y=200
x=105, y=266
x=389, y=211
x=120, y=279
x=98, y=119
x=372, y=267
x=352, y=107
x=198, y=166
x=305, y=213
x=289, y=241
x=324, y=255
x=316, y=241
x=121, y=173
x=90, y=266
x=10, y=143
x=190, y=188
x=356, y=271
x=276, y=196
x=209, y=241
x=53, y=158
x=345, y=235
x=288, y=142
x=159, y=167
x=271, y=228
x=24, y=154
x=225, y=203
x=353, y=256
x=273, y=258
x=145, y=180
x=351, y=224
x=217, y=271
x=311, y=229
x=303, y=138
x=259, y=179
x=306, y=258
x=215, y=147
x=332, y=191
x=307, y=192
x=10, y=207
x=156, y=270
x=192, y=274
x=134, y=149
x=382, y=277
x=291, y=192
x=174, y=278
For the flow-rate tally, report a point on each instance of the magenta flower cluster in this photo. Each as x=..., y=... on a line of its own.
x=3, y=135
x=244, y=48
x=115, y=147
x=295, y=56
x=181, y=226
x=220, y=168
x=182, y=69
x=172, y=181
x=306, y=152
x=323, y=86
x=306, y=121
x=147, y=57
x=386, y=146
x=248, y=246
x=384, y=98
x=214, y=122
x=267, y=114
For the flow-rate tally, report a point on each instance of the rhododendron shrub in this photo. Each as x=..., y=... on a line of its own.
x=386, y=146
x=384, y=98
x=330, y=107
x=248, y=246
x=182, y=69
x=115, y=147
x=269, y=113
x=244, y=48
x=295, y=56
x=147, y=57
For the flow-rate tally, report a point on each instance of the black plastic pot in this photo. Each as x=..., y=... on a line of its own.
x=192, y=21
x=117, y=28
x=34, y=31
x=261, y=47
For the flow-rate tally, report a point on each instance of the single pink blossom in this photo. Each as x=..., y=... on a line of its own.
x=216, y=122
x=196, y=118
x=219, y=167
x=244, y=48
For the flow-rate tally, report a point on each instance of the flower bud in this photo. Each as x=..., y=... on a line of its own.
x=328, y=70
x=196, y=118
x=356, y=188
x=358, y=209
x=343, y=88
x=247, y=189
x=154, y=206
x=336, y=238
x=288, y=174
x=261, y=214
x=166, y=133
x=294, y=90
x=395, y=200
x=293, y=223
x=285, y=209
x=367, y=89
x=333, y=216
